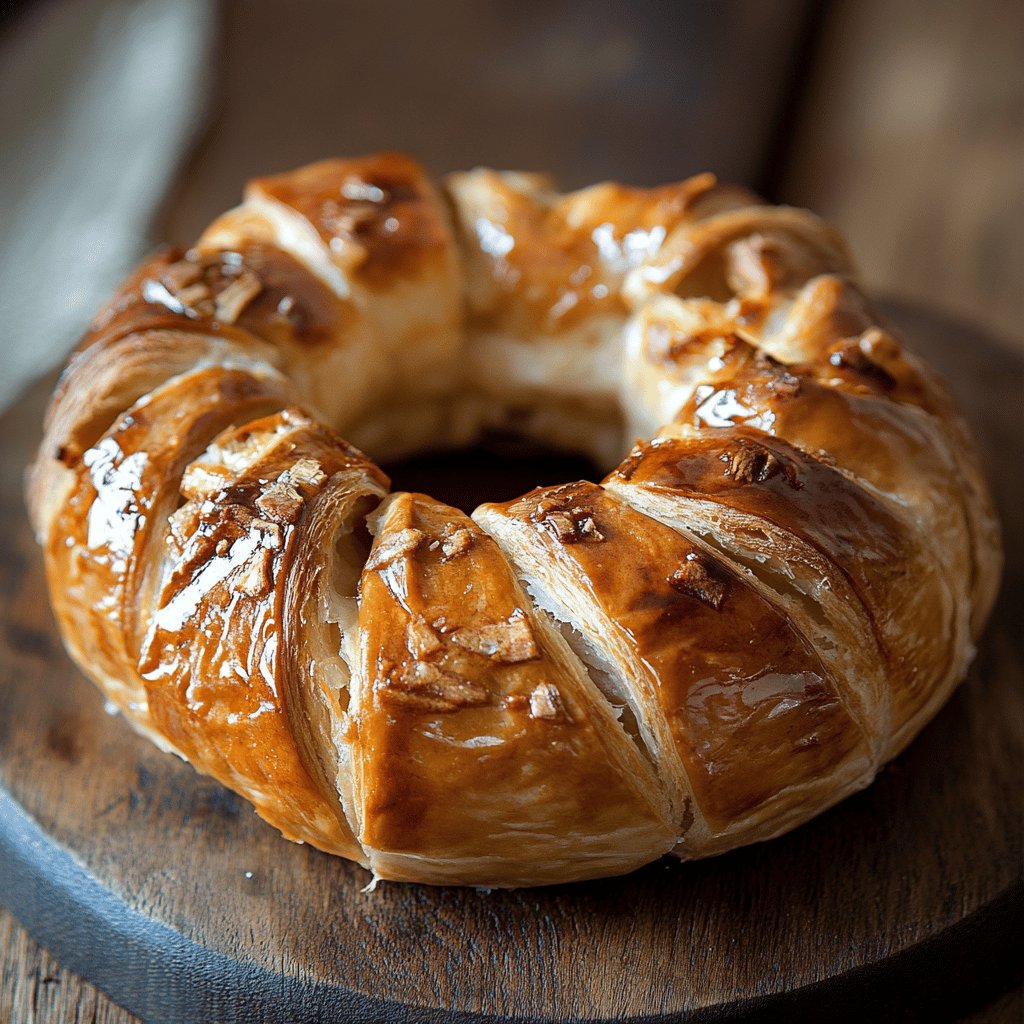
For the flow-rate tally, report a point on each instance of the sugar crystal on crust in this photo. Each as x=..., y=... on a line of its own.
x=255, y=578
x=456, y=543
x=305, y=471
x=574, y=527
x=280, y=501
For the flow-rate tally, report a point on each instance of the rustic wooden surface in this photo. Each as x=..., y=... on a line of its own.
x=906, y=892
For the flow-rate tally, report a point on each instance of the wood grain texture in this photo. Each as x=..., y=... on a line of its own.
x=184, y=906
x=35, y=989
x=910, y=137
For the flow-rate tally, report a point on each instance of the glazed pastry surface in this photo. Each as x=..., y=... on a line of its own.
x=765, y=600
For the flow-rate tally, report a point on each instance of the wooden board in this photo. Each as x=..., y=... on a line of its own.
x=167, y=892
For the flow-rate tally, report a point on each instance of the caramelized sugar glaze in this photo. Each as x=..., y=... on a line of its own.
x=768, y=598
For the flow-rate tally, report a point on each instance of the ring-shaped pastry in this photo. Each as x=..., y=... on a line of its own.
x=764, y=601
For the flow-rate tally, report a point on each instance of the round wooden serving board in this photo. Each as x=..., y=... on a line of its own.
x=168, y=892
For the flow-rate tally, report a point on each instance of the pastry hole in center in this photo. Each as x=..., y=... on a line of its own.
x=499, y=468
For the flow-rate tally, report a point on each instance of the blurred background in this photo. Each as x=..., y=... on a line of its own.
x=128, y=123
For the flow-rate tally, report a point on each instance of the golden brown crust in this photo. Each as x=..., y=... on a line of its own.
x=740, y=711
x=482, y=753
x=104, y=542
x=755, y=609
x=382, y=295
x=774, y=498
x=383, y=206
x=213, y=658
x=540, y=262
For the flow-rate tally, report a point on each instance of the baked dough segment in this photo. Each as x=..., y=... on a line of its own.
x=747, y=725
x=545, y=311
x=672, y=343
x=541, y=263
x=376, y=232
x=141, y=338
x=840, y=423
x=105, y=542
x=798, y=523
x=483, y=754
x=754, y=249
x=104, y=380
x=321, y=628
x=874, y=361
x=897, y=451
x=823, y=331
x=213, y=659
x=237, y=277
